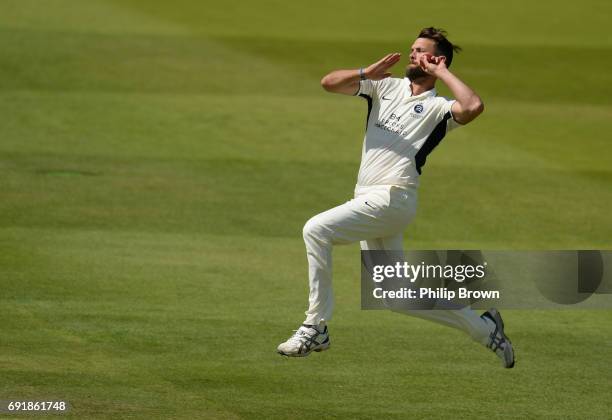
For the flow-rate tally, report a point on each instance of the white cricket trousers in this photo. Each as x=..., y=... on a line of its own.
x=377, y=216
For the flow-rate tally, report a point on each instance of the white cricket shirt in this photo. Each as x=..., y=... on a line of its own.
x=401, y=131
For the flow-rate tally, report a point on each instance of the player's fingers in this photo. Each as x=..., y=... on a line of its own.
x=379, y=62
x=382, y=60
x=386, y=65
x=391, y=61
x=387, y=61
x=393, y=57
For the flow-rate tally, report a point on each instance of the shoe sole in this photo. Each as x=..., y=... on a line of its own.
x=509, y=356
x=320, y=348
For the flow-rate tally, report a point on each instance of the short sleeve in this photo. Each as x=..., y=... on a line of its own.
x=367, y=88
x=446, y=108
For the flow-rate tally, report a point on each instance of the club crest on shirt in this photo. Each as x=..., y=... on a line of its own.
x=417, y=111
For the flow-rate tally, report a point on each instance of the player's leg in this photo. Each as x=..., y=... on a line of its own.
x=371, y=214
x=389, y=243
x=341, y=225
x=486, y=329
x=464, y=319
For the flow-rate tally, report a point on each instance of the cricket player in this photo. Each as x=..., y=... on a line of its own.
x=406, y=121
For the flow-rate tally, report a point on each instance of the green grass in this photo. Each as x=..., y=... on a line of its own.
x=158, y=162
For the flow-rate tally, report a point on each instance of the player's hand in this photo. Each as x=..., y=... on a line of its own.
x=379, y=70
x=432, y=64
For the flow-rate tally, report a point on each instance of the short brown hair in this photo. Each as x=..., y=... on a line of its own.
x=443, y=46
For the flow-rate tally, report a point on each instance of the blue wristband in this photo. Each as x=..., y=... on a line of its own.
x=362, y=75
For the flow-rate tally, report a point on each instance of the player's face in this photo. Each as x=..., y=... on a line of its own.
x=419, y=47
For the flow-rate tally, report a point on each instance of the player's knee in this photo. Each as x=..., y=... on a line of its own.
x=314, y=229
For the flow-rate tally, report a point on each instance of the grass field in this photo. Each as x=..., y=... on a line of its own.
x=159, y=159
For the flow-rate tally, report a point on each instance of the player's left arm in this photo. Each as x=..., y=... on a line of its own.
x=468, y=104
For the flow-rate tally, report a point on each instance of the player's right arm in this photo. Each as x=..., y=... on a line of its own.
x=347, y=81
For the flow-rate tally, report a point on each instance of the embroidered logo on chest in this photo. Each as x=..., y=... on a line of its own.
x=417, y=111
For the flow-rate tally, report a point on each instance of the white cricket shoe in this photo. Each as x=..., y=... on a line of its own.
x=305, y=340
x=498, y=341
